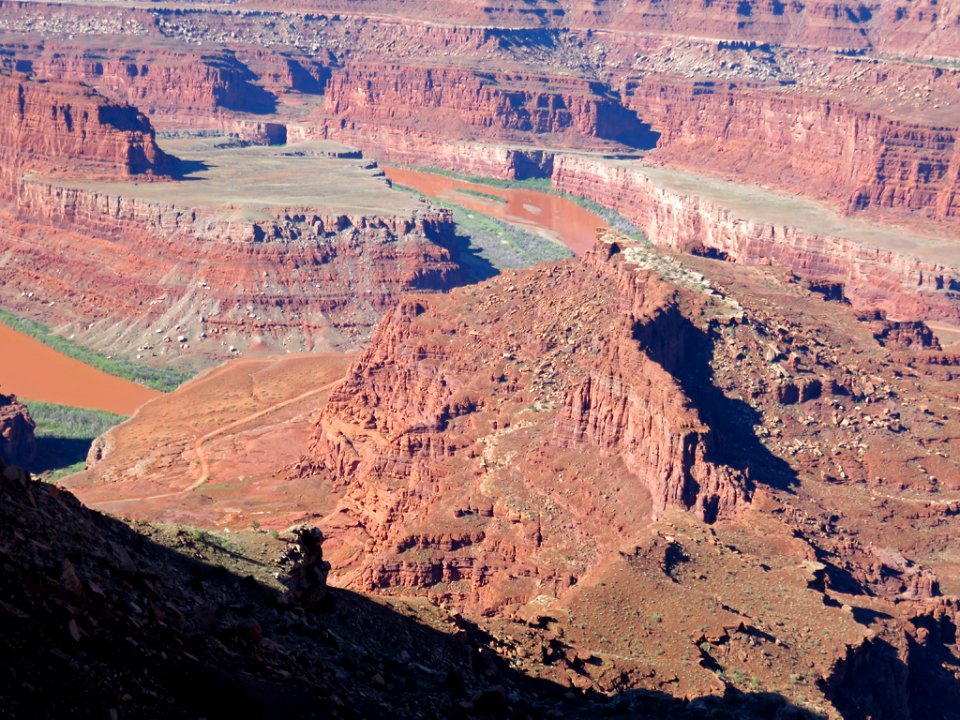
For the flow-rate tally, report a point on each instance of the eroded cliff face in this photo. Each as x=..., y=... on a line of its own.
x=365, y=100
x=891, y=280
x=64, y=126
x=168, y=280
x=173, y=83
x=17, y=443
x=464, y=420
x=781, y=138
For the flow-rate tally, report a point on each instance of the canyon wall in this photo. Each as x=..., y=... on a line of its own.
x=893, y=281
x=174, y=84
x=758, y=91
x=469, y=414
x=175, y=282
x=377, y=103
x=62, y=126
x=766, y=135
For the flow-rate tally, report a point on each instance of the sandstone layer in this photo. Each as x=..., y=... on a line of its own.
x=64, y=126
x=912, y=281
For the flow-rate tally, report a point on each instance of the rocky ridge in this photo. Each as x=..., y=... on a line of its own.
x=513, y=448
x=17, y=443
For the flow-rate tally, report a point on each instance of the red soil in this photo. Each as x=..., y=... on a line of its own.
x=211, y=452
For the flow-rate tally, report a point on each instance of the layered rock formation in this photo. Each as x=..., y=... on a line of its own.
x=173, y=83
x=768, y=136
x=363, y=100
x=17, y=443
x=466, y=425
x=755, y=91
x=162, y=281
x=623, y=461
x=872, y=276
x=64, y=126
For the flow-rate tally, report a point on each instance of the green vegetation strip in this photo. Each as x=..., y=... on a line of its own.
x=494, y=243
x=64, y=435
x=609, y=215
x=162, y=379
x=482, y=195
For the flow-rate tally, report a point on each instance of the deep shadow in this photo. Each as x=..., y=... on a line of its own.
x=685, y=351
x=302, y=80
x=868, y=616
x=835, y=577
x=98, y=620
x=476, y=268
x=617, y=122
x=875, y=683
x=240, y=92
x=182, y=169
x=472, y=266
x=55, y=453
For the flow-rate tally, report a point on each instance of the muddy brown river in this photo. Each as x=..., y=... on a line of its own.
x=33, y=371
x=551, y=215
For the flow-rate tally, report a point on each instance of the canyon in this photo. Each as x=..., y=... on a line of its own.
x=511, y=91
x=672, y=431
x=165, y=269
x=707, y=465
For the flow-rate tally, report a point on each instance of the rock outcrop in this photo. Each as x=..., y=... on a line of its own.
x=556, y=387
x=17, y=443
x=185, y=627
x=67, y=127
x=890, y=279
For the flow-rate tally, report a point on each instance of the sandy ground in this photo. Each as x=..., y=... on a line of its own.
x=251, y=183
x=217, y=450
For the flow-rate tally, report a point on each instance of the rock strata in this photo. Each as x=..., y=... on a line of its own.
x=66, y=127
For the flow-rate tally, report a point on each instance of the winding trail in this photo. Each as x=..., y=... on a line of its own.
x=204, y=439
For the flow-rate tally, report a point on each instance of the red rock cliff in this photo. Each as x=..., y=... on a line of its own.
x=478, y=429
x=66, y=126
x=174, y=84
x=767, y=135
x=365, y=101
